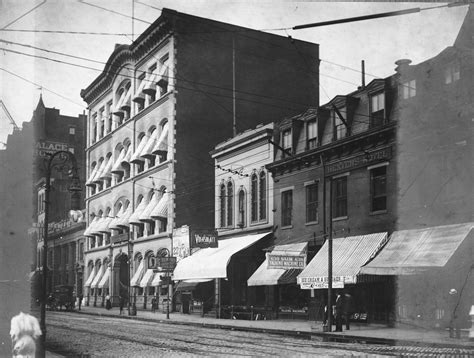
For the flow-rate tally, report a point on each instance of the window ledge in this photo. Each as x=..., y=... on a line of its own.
x=340, y=218
x=312, y=223
x=287, y=227
x=378, y=212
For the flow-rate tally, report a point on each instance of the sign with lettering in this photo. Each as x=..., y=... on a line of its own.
x=181, y=246
x=203, y=238
x=43, y=148
x=322, y=282
x=167, y=263
x=359, y=161
x=286, y=261
x=321, y=285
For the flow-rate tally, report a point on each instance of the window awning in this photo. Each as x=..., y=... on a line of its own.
x=117, y=166
x=349, y=255
x=121, y=220
x=104, y=224
x=150, y=83
x=147, y=149
x=128, y=155
x=145, y=215
x=135, y=217
x=147, y=278
x=96, y=230
x=90, y=230
x=118, y=105
x=156, y=279
x=92, y=176
x=161, y=209
x=90, y=278
x=106, y=173
x=115, y=220
x=125, y=105
x=135, y=281
x=266, y=275
x=139, y=93
x=161, y=144
x=104, y=281
x=162, y=78
x=95, y=282
x=136, y=154
x=212, y=262
x=415, y=251
x=99, y=171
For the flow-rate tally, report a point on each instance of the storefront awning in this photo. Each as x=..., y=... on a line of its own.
x=415, y=251
x=147, y=278
x=95, y=282
x=90, y=278
x=349, y=255
x=186, y=286
x=135, y=281
x=104, y=281
x=212, y=263
x=266, y=275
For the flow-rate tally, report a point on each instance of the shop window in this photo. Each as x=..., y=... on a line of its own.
x=377, y=109
x=222, y=206
x=340, y=129
x=312, y=137
x=339, y=197
x=378, y=188
x=452, y=73
x=312, y=203
x=262, y=196
x=408, y=89
x=230, y=204
x=254, y=198
x=241, y=222
x=286, y=207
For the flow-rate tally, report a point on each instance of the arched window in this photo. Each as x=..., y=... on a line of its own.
x=222, y=205
x=241, y=222
x=230, y=203
x=262, y=196
x=254, y=198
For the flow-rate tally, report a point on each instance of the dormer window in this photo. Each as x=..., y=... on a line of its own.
x=312, y=138
x=452, y=73
x=286, y=141
x=340, y=129
x=377, y=109
x=408, y=89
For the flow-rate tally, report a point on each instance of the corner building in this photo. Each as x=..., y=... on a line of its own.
x=158, y=108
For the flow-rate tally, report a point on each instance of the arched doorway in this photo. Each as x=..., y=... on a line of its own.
x=121, y=278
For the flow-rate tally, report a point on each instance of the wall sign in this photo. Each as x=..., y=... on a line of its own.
x=286, y=261
x=203, y=238
x=181, y=245
x=43, y=148
x=359, y=161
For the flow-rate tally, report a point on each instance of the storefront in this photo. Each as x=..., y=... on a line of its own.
x=229, y=265
x=433, y=271
x=371, y=295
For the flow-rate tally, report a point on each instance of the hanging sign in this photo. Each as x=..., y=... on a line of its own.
x=203, y=238
x=286, y=261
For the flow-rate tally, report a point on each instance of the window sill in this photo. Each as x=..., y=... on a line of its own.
x=378, y=212
x=312, y=223
x=340, y=218
x=287, y=227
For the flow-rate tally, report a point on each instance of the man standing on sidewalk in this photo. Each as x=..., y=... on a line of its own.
x=339, y=312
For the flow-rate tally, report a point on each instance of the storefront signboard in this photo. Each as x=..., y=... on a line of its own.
x=322, y=282
x=286, y=261
x=359, y=161
x=321, y=285
x=203, y=238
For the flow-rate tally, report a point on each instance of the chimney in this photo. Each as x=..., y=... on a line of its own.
x=402, y=65
x=363, y=73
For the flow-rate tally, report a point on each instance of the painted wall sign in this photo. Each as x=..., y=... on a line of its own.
x=286, y=261
x=203, y=238
x=359, y=161
x=43, y=148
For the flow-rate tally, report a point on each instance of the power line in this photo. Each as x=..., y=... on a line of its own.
x=67, y=32
x=114, y=12
x=26, y=13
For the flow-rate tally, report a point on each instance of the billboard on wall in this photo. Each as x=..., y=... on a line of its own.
x=181, y=246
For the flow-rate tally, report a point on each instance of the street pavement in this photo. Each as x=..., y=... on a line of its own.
x=361, y=333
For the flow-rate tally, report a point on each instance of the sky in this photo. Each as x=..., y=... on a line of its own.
x=379, y=42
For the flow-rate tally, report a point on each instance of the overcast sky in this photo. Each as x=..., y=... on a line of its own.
x=379, y=42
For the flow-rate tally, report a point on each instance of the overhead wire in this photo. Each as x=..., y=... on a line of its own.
x=22, y=16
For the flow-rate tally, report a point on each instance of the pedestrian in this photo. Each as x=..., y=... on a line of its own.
x=108, y=303
x=347, y=309
x=153, y=304
x=121, y=304
x=339, y=312
x=80, y=301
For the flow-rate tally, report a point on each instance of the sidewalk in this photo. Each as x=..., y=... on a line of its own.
x=362, y=333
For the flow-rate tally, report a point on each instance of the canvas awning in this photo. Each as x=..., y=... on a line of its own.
x=90, y=230
x=349, y=255
x=90, y=278
x=125, y=105
x=139, y=97
x=106, y=171
x=186, y=286
x=147, y=278
x=161, y=144
x=98, y=276
x=161, y=209
x=121, y=220
x=136, y=158
x=135, y=217
x=89, y=181
x=104, y=225
x=145, y=215
x=150, y=144
x=266, y=275
x=128, y=155
x=415, y=251
x=156, y=279
x=212, y=262
x=137, y=277
x=117, y=166
x=150, y=83
x=104, y=281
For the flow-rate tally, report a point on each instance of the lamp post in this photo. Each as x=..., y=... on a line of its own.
x=75, y=188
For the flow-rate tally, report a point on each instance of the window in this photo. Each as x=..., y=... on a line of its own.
x=287, y=142
x=340, y=128
x=94, y=128
x=262, y=196
x=81, y=251
x=339, y=195
x=163, y=75
x=312, y=203
x=409, y=89
x=286, y=207
x=72, y=130
x=452, y=73
x=377, y=109
x=101, y=122
x=254, y=198
x=378, y=189
x=222, y=206
x=312, y=134
x=230, y=203
x=108, y=114
x=241, y=222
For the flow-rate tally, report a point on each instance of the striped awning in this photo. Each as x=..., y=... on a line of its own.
x=128, y=155
x=268, y=276
x=99, y=171
x=98, y=276
x=145, y=215
x=161, y=209
x=104, y=281
x=117, y=166
x=416, y=251
x=163, y=76
x=89, y=181
x=135, y=217
x=113, y=223
x=147, y=149
x=121, y=219
x=147, y=279
x=104, y=224
x=99, y=224
x=90, y=230
x=139, y=97
x=136, y=158
x=162, y=142
x=150, y=82
x=125, y=105
x=117, y=108
x=90, y=278
x=349, y=255
x=106, y=171
x=157, y=279
x=137, y=277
